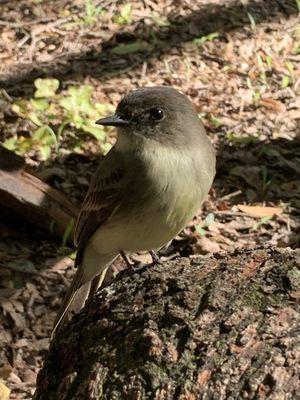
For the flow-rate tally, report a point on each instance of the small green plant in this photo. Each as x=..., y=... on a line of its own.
x=232, y=137
x=266, y=181
x=256, y=96
x=80, y=112
x=285, y=81
x=289, y=79
x=261, y=66
x=217, y=122
x=269, y=62
x=130, y=48
x=68, y=232
x=207, y=222
x=290, y=68
x=298, y=5
x=125, y=17
x=262, y=221
x=296, y=35
x=56, y=116
x=252, y=22
x=208, y=38
x=159, y=20
x=45, y=87
x=42, y=140
x=91, y=13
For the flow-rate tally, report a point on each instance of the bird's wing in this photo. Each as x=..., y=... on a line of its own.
x=103, y=198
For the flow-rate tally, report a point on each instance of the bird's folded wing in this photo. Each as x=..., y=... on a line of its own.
x=104, y=197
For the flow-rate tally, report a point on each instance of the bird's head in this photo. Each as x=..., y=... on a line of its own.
x=157, y=113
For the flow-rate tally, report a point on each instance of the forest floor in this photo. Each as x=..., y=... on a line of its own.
x=238, y=61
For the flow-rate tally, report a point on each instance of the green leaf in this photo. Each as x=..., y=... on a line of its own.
x=78, y=101
x=44, y=138
x=11, y=143
x=208, y=38
x=269, y=62
x=62, y=128
x=45, y=87
x=262, y=221
x=18, y=144
x=130, y=48
x=125, y=15
x=105, y=147
x=20, y=107
x=45, y=152
x=201, y=231
x=68, y=231
x=215, y=121
x=249, y=83
x=78, y=121
x=39, y=104
x=252, y=21
x=209, y=219
x=102, y=108
x=68, y=103
x=35, y=119
x=90, y=8
x=44, y=135
x=95, y=130
x=285, y=82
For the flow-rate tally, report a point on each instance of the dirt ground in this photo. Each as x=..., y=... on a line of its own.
x=238, y=61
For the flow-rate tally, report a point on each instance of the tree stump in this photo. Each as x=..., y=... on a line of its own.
x=219, y=327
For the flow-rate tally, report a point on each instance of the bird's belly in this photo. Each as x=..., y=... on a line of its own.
x=153, y=213
x=149, y=227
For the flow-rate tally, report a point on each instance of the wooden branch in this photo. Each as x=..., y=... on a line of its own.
x=223, y=327
x=32, y=198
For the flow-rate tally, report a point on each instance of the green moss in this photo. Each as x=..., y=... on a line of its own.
x=254, y=298
x=293, y=276
x=154, y=374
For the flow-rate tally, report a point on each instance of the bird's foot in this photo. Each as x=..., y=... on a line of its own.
x=155, y=258
x=129, y=265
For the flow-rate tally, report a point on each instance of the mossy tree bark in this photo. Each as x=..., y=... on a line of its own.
x=200, y=328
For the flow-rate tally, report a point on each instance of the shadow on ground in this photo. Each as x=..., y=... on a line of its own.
x=163, y=40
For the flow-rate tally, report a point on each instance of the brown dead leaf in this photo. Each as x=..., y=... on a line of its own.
x=59, y=263
x=5, y=371
x=204, y=377
x=272, y=104
x=205, y=245
x=29, y=376
x=251, y=268
x=9, y=307
x=294, y=114
x=260, y=211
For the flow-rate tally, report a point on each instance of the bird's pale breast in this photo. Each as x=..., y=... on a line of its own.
x=171, y=193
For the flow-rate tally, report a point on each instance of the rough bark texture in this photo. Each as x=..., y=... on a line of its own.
x=32, y=198
x=200, y=328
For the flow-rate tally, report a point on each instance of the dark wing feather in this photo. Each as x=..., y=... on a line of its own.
x=102, y=200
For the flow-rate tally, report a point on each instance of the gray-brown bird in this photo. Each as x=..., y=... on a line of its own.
x=146, y=189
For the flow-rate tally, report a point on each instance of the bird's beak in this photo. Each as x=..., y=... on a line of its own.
x=114, y=120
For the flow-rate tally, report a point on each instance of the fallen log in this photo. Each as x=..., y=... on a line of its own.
x=219, y=327
x=33, y=199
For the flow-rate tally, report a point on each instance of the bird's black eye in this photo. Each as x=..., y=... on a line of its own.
x=157, y=114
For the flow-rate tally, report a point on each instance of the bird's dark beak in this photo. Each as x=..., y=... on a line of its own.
x=114, y=120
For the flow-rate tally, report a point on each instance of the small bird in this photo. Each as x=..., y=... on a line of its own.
x=145, y=190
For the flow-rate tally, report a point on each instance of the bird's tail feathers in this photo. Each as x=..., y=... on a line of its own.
x=93, y=269
x=75, y=286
